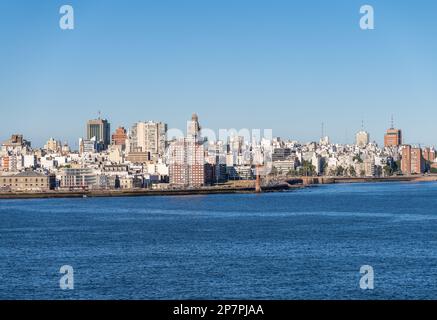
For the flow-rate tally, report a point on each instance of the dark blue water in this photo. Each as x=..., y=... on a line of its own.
x=307, y=244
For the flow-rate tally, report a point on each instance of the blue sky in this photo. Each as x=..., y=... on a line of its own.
x=285, y=65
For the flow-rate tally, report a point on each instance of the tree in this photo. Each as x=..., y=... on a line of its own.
x=308, y=169
x=340, y=171
x=352, y=171
x=388, y=171
x=325, y=168
x=358, y=159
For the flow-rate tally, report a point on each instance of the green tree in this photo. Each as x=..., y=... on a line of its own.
x=357, y=158
x=340, y=171
x=388, y=171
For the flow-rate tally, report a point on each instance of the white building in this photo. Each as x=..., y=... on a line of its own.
x=149, y=137
x=362, y=138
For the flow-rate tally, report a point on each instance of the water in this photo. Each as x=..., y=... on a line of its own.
x=306, y=244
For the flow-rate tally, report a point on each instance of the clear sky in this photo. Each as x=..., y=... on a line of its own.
x=285, y=65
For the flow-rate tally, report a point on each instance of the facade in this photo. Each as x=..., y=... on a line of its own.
x=281, y=154
x=429, y=154
x=187, y=158
x=16, y=144
x=138, y=157
x=53, y=145
x=369, y=168
x=317, y=162
x=193, y=128
x=412, y=160
x=100, y=129
x=5, y=163
x=393, y=138
x=244, y=172
x=87, y=145
x=28, y=181
x=119, y=137
x=12, y=163
x=149, y=137
x=362, y=138
x=187, y=163
x=78, y=178
x=131, y=182
x=284, y=166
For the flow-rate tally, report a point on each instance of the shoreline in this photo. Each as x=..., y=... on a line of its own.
x=141, y=192
x=287, y=185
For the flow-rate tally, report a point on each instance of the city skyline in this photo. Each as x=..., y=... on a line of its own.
x=114, y=129
x=288, y=67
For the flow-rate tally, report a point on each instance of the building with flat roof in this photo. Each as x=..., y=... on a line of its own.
x=393, y=138
x=187, y=163
x=119, y=137
x=362, y=138
x=78, y=178
x=412, y=160
x=149, y=137
x=28, y=181
x=100, y=129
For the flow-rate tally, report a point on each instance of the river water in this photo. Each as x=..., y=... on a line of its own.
x=305, y=244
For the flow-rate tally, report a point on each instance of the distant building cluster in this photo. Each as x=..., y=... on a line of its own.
x=143, y=156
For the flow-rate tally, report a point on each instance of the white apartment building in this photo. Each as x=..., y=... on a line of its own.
x=149, y=137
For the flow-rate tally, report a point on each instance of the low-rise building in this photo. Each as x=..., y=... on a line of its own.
x=28, y=181
x=78, y=178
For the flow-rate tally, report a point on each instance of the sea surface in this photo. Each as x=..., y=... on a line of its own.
x=305, y=244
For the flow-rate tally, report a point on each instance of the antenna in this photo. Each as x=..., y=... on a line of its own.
x=392, y=122
x=100, y=114
x=323, y=130
x=362, y=125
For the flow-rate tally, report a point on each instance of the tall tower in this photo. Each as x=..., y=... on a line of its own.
x=193, y=128
x=362, y=138
x=101, y=130
x=393, y=137
x=187, y=158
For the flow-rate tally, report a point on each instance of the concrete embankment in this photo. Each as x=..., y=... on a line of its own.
x=141, y=192
x=332, y=180
x=239, y=188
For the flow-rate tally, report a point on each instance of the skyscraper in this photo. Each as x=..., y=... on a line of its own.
x=101, y=130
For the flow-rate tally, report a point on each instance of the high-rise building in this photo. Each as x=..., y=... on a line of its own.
x=119, y=137
x=87, y=146
x=187, y=158
x=149, y=137
x=187, y=163
x=393, y=138
x=193, y=128
x=362, y=138
x=16, y=144
x=101, y=130
x=429, y=154
x=412, y=160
